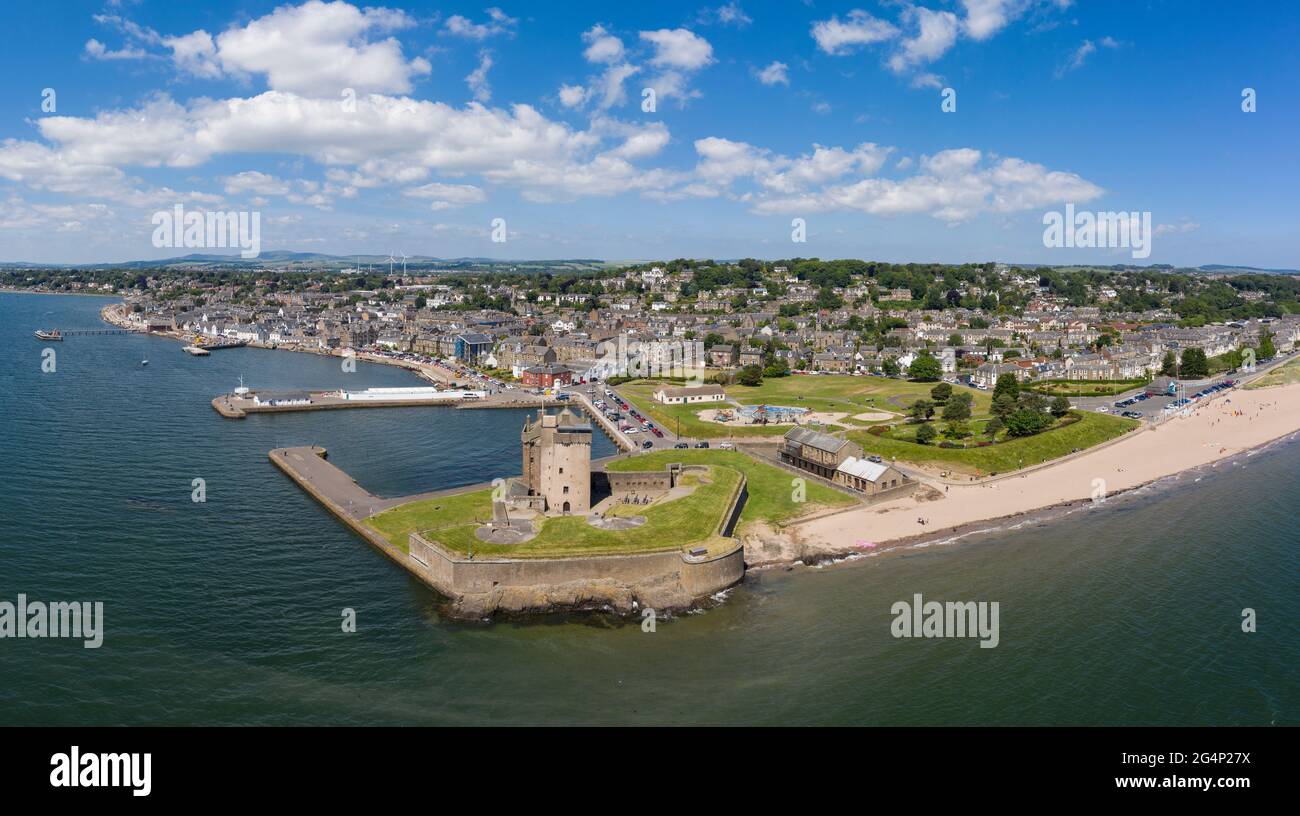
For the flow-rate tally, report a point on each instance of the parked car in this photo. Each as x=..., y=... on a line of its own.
x=681, y=445
x=701, y=444
x=647, y=444
x=726, y=446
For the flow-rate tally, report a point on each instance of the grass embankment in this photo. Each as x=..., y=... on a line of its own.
x=771, y=495
x=687, y=521
x=1087, y=429
x=1288, y=374
x=1083, y=388
x=823, y=393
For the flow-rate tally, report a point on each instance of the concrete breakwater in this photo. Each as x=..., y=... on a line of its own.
x=479, y=587
x=234, y=406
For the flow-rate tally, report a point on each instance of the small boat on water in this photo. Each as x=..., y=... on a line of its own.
x=52, y=334
x=144, y=362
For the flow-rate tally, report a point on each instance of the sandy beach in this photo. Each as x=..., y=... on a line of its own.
x=1234, y=422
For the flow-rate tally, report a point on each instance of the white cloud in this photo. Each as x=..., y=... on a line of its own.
x=1174, y=229
x=497, y=23
x=572, y=96
x=936, y=32
x=195, y=53
x=609, y=86
x=775, y=74
x=838, y=37
x=1077, y=59
x=97, y=50
x=825, y=164
x=447, y=196
x=951, y=185
x=253, y=181
x=678, y=53
x=731, y=14
x=679, y=48
x=984, y=18
x=602, y=47
x=478, y=80
x=320, y=48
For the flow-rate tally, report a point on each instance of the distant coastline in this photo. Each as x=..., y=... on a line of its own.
x=15, y=291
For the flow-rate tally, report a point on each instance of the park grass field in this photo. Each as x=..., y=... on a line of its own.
x=1090, y=429
x=691, y=520
x=823, y=393
x=771, y=493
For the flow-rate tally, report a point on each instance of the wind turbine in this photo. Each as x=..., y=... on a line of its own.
x=391, y=261
x=403, y=254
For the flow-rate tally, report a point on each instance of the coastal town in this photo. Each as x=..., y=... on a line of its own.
x=834, y=407
x=741, y=319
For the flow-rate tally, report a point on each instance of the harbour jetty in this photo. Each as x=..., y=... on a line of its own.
x=246, y=401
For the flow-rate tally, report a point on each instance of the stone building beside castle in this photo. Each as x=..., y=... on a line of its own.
x=556, y=463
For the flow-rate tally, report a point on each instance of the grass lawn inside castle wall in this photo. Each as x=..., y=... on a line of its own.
x=690, y=521
x=771, y=492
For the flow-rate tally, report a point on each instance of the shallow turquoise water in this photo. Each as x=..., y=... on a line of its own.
x=229, y=611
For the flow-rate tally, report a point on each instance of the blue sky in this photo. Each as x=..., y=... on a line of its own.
x=411, y=126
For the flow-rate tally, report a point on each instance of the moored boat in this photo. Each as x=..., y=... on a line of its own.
x=53, y=334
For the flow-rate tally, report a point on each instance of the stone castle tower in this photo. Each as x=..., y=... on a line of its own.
x=557, y=461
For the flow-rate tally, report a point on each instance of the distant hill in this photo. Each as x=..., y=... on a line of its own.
x=1221, y=269
x=285, y=260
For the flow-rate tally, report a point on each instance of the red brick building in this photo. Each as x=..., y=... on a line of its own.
x=546, y=376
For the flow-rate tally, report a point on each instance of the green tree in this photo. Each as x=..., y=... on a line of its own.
x=925, y=434
x=958, y=408
x=1266, y=349
x=1007, y=384
x=921, y=410
x=992, y=427
x=890, y=367
x=751, y=375
x=777, y=368
x=1060, y=407
x=941, y=393
x=1025, y=422
x=925, y=368
x=1003, y=406
x=1032, y=401
x=1194, y=365
x=1169, y=366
